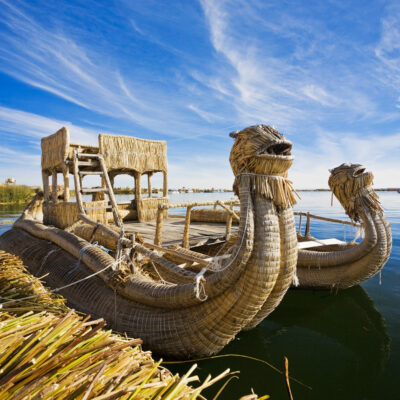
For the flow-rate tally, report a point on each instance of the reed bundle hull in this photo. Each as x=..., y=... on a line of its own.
x=177, y=311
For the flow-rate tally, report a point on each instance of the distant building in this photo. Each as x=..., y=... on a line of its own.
x=11, y=181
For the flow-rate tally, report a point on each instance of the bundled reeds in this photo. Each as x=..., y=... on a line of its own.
x=49, y=352
x=353, y=188
x=210, y=215
x=55, y=149
x=64, y=214
x=130, y=153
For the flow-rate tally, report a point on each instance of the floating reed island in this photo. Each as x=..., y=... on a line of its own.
x=185, y=285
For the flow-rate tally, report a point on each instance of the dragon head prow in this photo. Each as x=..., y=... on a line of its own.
x=262, y=155
x=352, y=186
x=260, y=149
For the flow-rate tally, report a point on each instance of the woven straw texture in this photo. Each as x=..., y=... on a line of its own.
x=55, y=149
x=181, y=314
x=209, y=215
x=130, y=153
x=65, y=214
x=352, y=264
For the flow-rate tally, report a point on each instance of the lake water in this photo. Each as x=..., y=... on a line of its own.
x=344, y=345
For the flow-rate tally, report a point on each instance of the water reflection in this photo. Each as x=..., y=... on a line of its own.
x=336, y=342
x=348, y=317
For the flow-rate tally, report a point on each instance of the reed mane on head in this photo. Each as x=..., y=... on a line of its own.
x=262, y=155
x=352, y=186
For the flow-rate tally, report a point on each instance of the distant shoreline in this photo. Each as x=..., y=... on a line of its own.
x=22, y=194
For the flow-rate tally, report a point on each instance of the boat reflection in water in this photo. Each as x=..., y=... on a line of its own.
x=335, y=342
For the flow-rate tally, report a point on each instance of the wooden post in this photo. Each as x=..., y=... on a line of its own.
x=185, y=242
x=78, y=190
x=158, y=234
x=45, y=178
x=54, y=187
x=149, y=188
x=299, y=231
x=138, y=195
x=307, y=232
x=165, y=185
x=66, y=183
x=231, y=212
x=114, y=204
x=229, y=218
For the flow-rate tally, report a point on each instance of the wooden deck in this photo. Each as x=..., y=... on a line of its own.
x=200, y=232
x=172, y=232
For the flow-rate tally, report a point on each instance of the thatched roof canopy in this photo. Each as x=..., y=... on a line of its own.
x=126, y=153
x=55, y=149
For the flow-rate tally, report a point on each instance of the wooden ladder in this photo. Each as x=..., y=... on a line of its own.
x=98, y=167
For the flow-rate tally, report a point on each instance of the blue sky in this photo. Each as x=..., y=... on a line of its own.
x=325, y=73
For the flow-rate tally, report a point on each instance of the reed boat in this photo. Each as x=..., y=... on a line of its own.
x=344, y=265
x=333, y=263
x=186, y=288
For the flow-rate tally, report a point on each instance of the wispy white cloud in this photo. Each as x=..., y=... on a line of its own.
x=377, y=153
x=207, y=116
x=306, y=78
x=24, y=124
x=388, y=48
x=55, y=61
x=20, y=153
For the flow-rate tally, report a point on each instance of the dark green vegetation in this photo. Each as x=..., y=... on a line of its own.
x=16, y=194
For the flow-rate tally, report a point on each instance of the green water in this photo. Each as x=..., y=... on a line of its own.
x=344, y=345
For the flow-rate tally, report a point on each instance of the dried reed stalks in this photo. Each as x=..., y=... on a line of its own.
x=49, y=352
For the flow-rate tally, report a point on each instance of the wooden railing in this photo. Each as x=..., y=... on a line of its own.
x=231, y=214
x=308, y=221
x=189, y=206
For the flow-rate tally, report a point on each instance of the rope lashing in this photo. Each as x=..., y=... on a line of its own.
x=81, y=252
x=199, y=289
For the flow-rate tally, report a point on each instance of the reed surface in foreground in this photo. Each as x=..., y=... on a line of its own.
x=48, y=351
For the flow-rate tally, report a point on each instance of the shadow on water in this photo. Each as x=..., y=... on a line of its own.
x=335, y=343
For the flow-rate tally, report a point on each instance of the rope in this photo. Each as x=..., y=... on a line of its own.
x=296, y=281
x=161, y=278
x=63, y=287
x=199, y=289
x=45, y=259
x=81, y=252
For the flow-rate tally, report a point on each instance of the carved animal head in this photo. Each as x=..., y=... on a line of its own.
x=260, y=149
x=261, y=157
x=352, y=186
